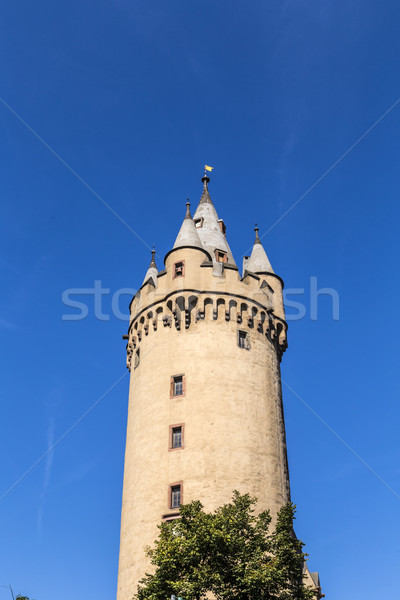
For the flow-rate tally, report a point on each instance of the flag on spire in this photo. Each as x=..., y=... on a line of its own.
x=207, y=168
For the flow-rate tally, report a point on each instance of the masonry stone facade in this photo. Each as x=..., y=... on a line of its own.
x=205, y=402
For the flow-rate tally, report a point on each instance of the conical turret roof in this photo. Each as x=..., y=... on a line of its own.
x=258, y=261
x=188, y=235
x=209, y=231
x=152, y=271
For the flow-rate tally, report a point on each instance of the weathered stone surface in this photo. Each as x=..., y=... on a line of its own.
x=232, y=404
x=232, y=407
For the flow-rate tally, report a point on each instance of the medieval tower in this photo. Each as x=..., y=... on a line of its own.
x=205, y=401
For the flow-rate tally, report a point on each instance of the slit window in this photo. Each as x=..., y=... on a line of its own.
x=243, y=340
x=137, y=357
x=175, y=495
x=179, y=269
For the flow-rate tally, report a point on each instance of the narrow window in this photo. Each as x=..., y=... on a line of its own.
x=137, y=358
x=177, y=385
x=243, y=340
x=221, y=256
x=175, y=495
x=176, y=437
x=222, y=226
x=179, y=269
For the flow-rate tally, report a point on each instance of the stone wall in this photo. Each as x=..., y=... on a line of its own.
x=234, y=434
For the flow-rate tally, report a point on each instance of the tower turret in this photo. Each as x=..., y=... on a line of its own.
x=258, y=261
x=152, y=271
x=187, y=235
x=205, y=403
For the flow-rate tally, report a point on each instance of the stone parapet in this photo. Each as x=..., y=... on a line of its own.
x=254, y=302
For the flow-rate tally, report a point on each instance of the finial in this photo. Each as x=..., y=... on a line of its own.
x=205, y=197
x=256, y=229
x=153, y=260
x=205, y=180
x=188, y=215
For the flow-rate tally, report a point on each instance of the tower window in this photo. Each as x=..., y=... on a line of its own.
x=171, y=517
x=175, y=495
x=198, y=223
x=179, y=269
x=243, y=340
x=177, y=385
x=221, y=256
x=137, y=358
x=222, y=226
x=176, y=437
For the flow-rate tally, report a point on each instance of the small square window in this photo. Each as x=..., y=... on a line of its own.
x=175, y=495
x=176, y=437
x=198, y=223
x=221, y=256
x=177, y=385
x=243, y=340
x=179, y=269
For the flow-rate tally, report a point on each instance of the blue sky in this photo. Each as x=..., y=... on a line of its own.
x=135, y=97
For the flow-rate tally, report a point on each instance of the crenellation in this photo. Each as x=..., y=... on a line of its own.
x=177, y=308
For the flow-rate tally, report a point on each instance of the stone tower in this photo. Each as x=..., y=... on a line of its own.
x=205, y=401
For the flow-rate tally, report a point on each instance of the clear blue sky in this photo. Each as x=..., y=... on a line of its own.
x=135, y=97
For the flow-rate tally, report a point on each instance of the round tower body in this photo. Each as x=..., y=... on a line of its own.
x=205, y=405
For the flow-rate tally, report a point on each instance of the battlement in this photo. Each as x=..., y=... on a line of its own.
x=205, y=291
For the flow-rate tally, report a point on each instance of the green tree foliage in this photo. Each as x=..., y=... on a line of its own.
x=230, y=552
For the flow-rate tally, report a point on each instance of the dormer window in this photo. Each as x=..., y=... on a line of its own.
x=221, y=256
x=179, y=269
x=222, y=226
x=198, y=223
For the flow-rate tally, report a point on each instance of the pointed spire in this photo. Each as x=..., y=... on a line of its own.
x=153, y=260
x=256, y=229
x=188, y=235
x=152, y=271
x=188, y=215
x=258, y=261
x=210, y=232
x=205, y=197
